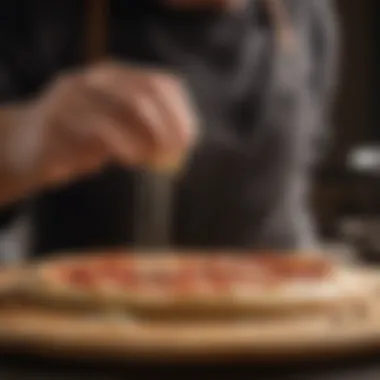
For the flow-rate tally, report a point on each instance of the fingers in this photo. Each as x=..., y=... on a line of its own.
x=111, y=112
x=176, y=107
x=135, y=116
x=151, y=107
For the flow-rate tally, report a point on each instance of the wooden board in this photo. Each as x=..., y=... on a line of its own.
x=64, y=335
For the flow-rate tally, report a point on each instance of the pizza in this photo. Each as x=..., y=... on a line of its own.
x=194, y=285
x=122, y=304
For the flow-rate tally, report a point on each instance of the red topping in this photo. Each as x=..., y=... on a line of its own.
x=80, y=277
x=220, y=272
x=288, y=267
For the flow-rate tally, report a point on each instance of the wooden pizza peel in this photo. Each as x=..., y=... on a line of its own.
x=58, y=335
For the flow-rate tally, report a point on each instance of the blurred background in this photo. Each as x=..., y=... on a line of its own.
x=347, y=187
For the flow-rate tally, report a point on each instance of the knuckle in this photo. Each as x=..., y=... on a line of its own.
x=154, y=83
x=162, y=78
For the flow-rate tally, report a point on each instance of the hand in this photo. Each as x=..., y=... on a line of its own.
x=110, y=112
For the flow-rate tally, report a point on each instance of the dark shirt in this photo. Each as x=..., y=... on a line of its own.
x=262, y=111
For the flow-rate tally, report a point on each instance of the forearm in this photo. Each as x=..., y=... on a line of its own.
x=14, y=184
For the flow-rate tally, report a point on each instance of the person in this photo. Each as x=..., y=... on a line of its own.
x=244, y=86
